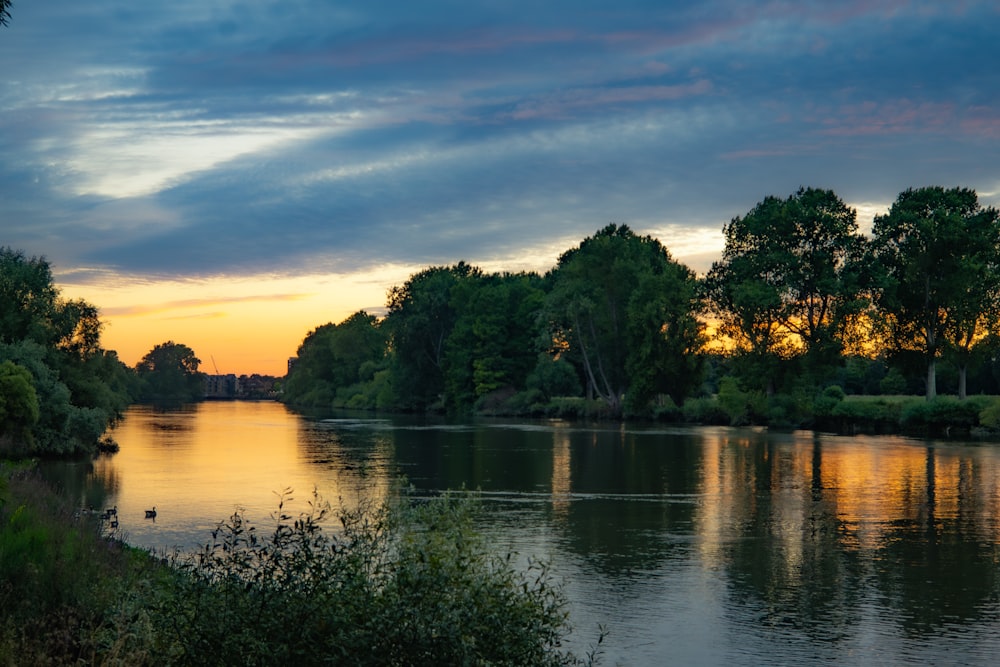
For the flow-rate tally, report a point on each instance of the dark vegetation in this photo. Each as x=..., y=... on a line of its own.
x=800, y=304
x=399, y=583
x=800, y=319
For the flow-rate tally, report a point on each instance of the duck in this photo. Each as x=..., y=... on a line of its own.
x=151, y=514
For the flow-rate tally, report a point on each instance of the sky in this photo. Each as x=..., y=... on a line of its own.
x=232, y=174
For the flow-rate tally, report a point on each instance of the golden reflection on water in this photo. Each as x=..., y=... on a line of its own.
x=859, y=492
x=198, y=464
x=561, y=471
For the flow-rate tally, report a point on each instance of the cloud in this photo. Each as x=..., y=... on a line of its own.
x=188, y=304
x=203, y=138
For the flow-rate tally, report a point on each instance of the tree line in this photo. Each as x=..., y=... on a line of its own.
x=799, y=305
x=799, y=301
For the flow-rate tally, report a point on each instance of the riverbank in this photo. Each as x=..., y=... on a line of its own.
x=831, y=411
x=382, y=590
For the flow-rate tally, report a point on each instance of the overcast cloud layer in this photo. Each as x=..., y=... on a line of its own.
x=212, y=137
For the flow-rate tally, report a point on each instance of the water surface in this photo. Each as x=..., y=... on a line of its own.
x=708, y=546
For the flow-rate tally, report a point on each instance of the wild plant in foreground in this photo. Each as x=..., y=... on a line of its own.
x=395, y=583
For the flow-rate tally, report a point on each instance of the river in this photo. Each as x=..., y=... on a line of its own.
x=707, y=546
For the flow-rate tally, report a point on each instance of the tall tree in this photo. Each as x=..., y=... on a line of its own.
x=169, y=373
x=332, y=358
x=625, y=309
x=420, y=318
x=938, y=250
x=790, y=277
x=5, y=11
x=495, y=341
x=28, y=298
x=80, y=388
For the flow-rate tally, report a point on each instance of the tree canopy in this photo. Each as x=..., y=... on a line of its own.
x=625, y=311
x=80, y=388
x=169, y=374
x=939, y=251
x=789, y=281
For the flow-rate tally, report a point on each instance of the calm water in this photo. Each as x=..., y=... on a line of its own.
x=705, y=546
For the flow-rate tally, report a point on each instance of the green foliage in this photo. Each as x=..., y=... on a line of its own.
x=394, y=583
x=989, y=416
x=421, y=317
x=79, y=388
x=494, y=343
x=742, y=407
x=825, y=404
x=705, y=410
x=18, y=404
x=625, y=312
x=336, y=365
x=399, y=583
x=64, y=589
x=945, y=415
x=554, y=377
x=790, y=281
x=939, y=256
x=893, y=382
x=619, y=319
x=169, y=374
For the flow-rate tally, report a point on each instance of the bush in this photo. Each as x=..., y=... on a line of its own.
x=827, y=402
x=704, y=411
x=743, y=407
x=397, y=584
x=945, y=415
x=64, y=588
x=989, y=416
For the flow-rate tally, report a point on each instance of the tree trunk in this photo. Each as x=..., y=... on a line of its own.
x=932, y=379
x=962, y=373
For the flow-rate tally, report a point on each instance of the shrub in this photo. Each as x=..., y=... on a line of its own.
x=827, y=402
x=893, y=382
x=743, y=407
x=399, y=583
x=944, y=415
x=989, y=416
x=704, y=411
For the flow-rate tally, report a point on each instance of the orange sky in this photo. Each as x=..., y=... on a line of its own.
x=246, y=324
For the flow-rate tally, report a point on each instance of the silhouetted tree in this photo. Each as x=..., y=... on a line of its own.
x=939, y=252
x=626, y=312
x=169, y=373
x=790, y=279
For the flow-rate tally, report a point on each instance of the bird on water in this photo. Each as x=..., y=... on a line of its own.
x=151, y=514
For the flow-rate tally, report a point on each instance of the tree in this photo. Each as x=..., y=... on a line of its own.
x=27, y=298
x=334, y=358
x=169, y=373
x=938, y=253
x=623, y=309
x=421, y=317
x=494, y=343
x=5, y=11
x=18, y=405
x=81, y=389
x=790, y=278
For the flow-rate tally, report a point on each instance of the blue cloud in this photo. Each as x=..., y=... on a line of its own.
x=216, y=137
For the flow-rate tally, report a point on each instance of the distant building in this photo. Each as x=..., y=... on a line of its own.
x=252, y=387
x=222, y=386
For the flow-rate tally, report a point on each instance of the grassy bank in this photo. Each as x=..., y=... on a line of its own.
x=397, y=583
x=828, y=410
